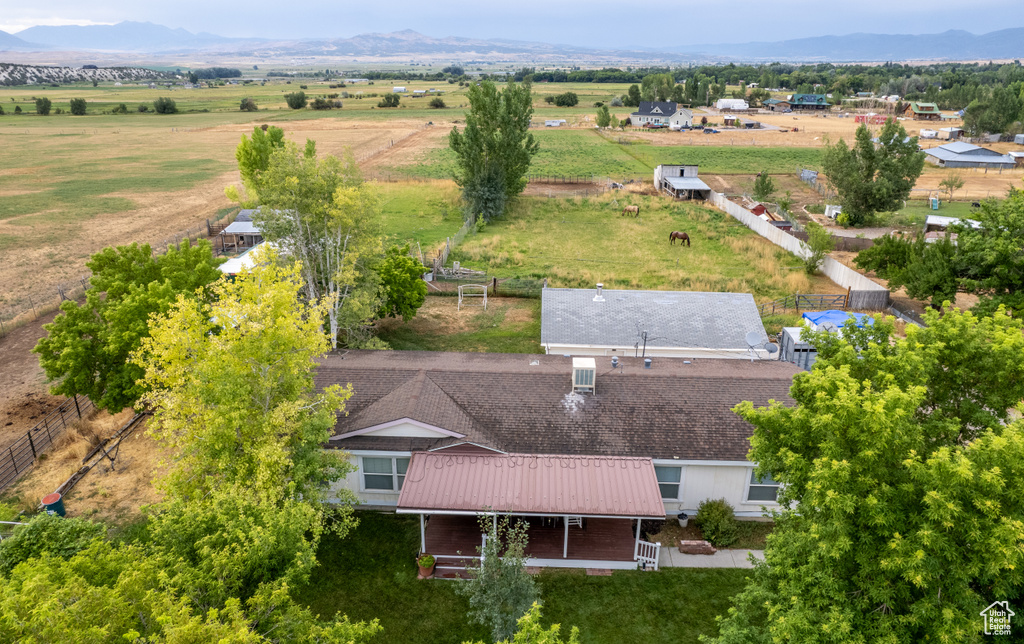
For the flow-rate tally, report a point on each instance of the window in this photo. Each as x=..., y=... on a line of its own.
x=762, y=489
x=384, y=473
x=668, y=480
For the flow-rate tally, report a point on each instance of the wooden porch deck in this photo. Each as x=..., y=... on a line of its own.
x=600, y=540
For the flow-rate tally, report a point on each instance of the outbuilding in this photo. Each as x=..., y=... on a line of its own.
x=967, y=155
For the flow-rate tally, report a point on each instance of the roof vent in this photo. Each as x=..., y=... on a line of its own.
x=584, y=374
x=647, y=363
x=599, y=297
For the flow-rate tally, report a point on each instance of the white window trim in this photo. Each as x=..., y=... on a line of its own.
x=682, y=478
x=746, y=490
x=394, y=470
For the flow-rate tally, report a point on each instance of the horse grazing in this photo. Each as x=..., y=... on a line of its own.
x=631, y=210
x=682, y=237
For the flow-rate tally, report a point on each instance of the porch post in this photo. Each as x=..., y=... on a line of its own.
x=636, y=546
x=495, y=523
x=565, y=542
x=423, y=535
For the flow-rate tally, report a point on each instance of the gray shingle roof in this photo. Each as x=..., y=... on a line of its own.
x=671, y=318
x=647, y=108
x=518, y=402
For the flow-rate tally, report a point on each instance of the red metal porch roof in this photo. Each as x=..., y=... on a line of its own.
x=611, y=486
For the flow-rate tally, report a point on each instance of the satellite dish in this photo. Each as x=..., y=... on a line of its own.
x=753, y=338
x=770, y=348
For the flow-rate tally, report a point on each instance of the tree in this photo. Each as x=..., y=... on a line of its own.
x=230, y=383
x=632, y=97
x=764, y=187
x=887, y=257
x=568, y=99
x=403, y=290
x=86, y=349
x=499, y=589
x=437, y=103
x=820, y=241
x=389, y=100
x=296, y=100
x=164, y=105
x=248, y=105
x=758, y=96
x=321, y=215
x=494, y=149
x=989, y=258
x=604, y=117
x=253, y=155
x=78, y=106
x=931, y=274
x=17, y=109
x=951, y=183
x=43, y=106
x=530, y=631
x=897, y=453
x=870, y=178
x=49, y=533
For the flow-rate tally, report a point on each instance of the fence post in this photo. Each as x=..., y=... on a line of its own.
x=32, y=445
x=846, y=304
x=494, y=288
x=77, y=408
x=10, y=450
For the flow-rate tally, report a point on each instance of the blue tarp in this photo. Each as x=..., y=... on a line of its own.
x=836, y=318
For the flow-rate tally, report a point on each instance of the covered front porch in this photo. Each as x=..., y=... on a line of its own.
x=582, y=512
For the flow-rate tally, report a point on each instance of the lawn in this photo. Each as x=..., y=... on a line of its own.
x=371, y=574
x=509, y=325
x=912, y=216
x=420, y=213
x=577, y=243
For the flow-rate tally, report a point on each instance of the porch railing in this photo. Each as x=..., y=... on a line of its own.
x=647, y=554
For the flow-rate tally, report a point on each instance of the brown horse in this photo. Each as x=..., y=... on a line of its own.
x=631, y=210
x=682, y=237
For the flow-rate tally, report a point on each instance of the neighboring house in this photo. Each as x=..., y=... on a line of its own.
x=241, y=233
x=808, y=102
x=652, y=113
x=681, y=182
x=581, y=449
x=922, y=111
x=967, y=155
x=732, y=104
x=678, y=324
x=683, y=118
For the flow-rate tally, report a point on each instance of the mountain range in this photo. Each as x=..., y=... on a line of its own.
x=145, y=37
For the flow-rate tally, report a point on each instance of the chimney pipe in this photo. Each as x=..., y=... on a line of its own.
x=647, y=363
x=599, y=297
x=615, y=362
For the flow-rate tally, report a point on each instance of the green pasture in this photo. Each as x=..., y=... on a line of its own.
x=420, y=214
x=371, y=574
x=912, y=215
x=508, y=325
x=579, y=242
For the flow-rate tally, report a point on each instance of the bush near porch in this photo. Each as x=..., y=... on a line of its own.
x=372, y=574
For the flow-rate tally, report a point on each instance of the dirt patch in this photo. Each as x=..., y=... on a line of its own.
x=24, y=398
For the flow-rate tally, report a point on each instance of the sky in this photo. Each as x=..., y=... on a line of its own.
x=589, y=23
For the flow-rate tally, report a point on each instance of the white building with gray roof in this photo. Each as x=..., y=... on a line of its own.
x=678, y=324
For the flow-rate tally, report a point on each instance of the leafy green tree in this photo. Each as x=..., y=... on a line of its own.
x=604, y=117
x=870, y=178
x=897, y=454
x=764, y=186
x=248, y=105
x=494, y=149
x=499, y=588
x=567, y=99
x=437, y=103
x=530, y=631
x=403, y=290
x=86, y=349
x=889, y=255
x=253, y=155
x=951, y=183
x=820, y=241
x=389, y=100
x=17, y=109
x=78, y=106
x=164, y=105
x=296, y=100
x=758, y=96
x=932, y=273
x=632, y=97
x=231, y=386
x=989, y=256
x=323, y=215
x=50, y=533
x=43, y=106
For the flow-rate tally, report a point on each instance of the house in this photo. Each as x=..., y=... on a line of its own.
x=676, y=324
x=808, y=102
x=922, y=111
x=967, y=155
x=682, y=119
x=581, y=449
x=241, y=233
x=732, y=104
x=681, y=182
x=654, y=113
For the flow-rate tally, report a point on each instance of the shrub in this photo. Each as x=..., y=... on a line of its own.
x=78, y=106
x=815, y=208
x=296, y=100
x=568, y=99
x=717, y=521
x=46, y=533
x=389, y=100
x=143, y=107
x=303, y=87
x=549, y=99
x=616, y=102
x=120, y=109
x=821, y=243
x=1, y=110
x=320, y=103
x=42, y=106
x=17, y=109
x=437, y=103
x=164, y=105
x=248, y=105
x=764, y=187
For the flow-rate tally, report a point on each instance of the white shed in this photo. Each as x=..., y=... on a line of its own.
x=1019, y=139
x=398, y=89
x=732, y=104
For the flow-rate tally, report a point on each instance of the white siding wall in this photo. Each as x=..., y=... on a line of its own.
x=652, y=352
x=354, y=482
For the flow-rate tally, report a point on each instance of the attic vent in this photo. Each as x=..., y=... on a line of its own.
x=599, y=297
x=584, y=374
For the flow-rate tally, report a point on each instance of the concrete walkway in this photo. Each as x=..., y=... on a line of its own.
x=738, y=558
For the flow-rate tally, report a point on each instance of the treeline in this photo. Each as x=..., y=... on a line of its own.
x=216, y=72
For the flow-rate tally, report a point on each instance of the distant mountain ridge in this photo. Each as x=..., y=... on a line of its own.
x=145, y=37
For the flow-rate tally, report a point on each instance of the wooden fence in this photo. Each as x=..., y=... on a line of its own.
x=562, y=178
x=19, y=457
